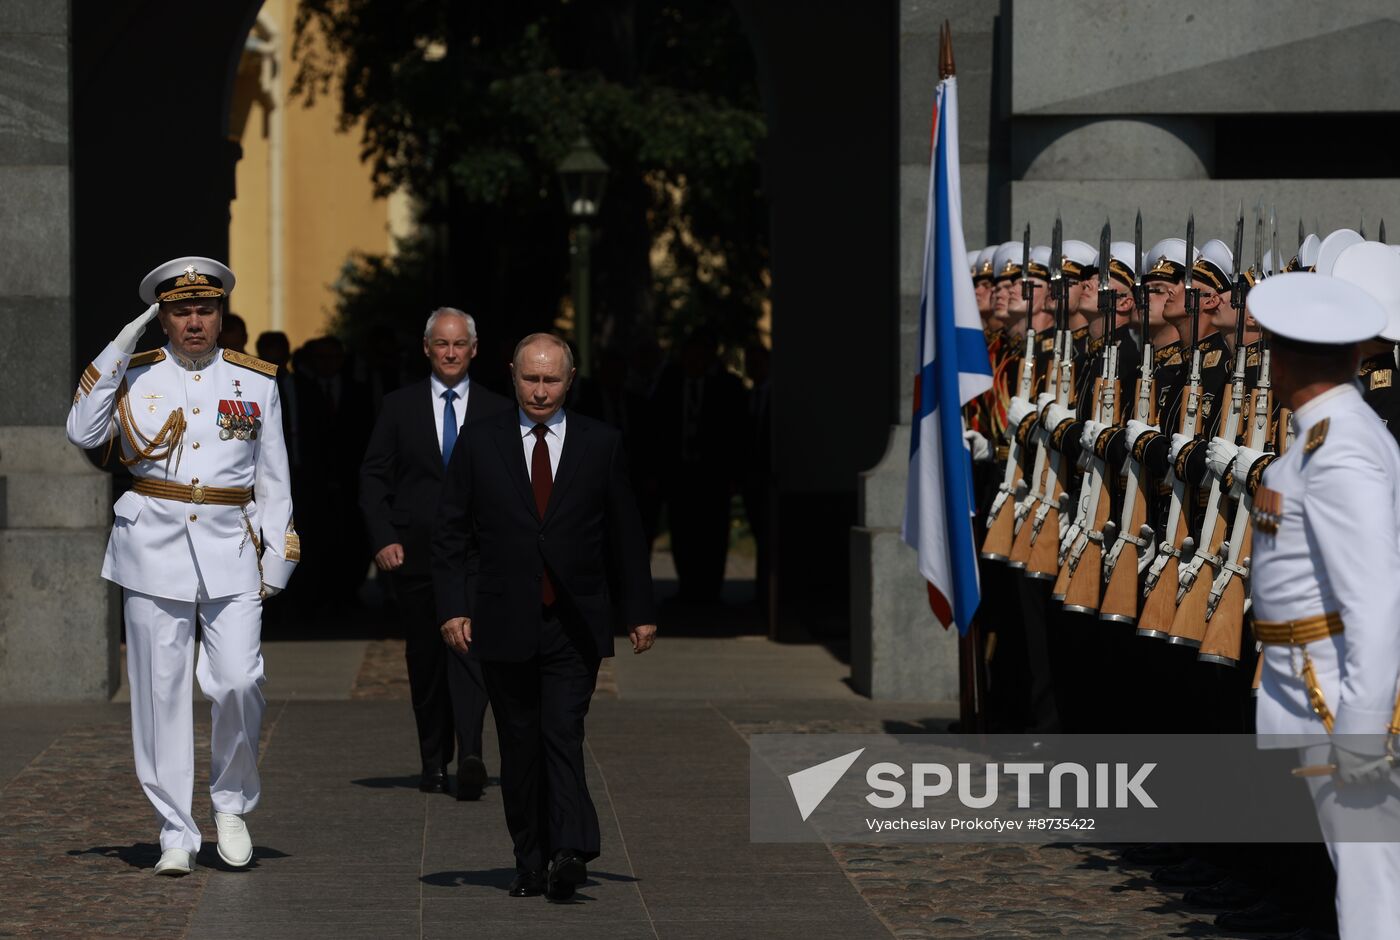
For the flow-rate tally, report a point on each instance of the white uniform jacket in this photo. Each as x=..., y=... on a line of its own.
x=1336, y=549
x=172, y=549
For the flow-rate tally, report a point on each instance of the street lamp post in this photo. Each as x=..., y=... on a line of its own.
x=583, y=176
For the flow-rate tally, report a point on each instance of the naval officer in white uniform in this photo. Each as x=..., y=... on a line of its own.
x=205, y=533
x=1326, y=583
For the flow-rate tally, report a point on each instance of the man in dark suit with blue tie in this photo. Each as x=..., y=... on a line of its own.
x=542, y=499
x=400, y=481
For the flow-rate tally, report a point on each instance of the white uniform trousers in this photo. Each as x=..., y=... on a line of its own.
x=1368, y=873
x=159, y=661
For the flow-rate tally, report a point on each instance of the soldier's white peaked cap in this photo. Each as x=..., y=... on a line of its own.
x=1376, y=268
x=1009, y=256
x=1307, y=251
x=984, y=266
x=191, y=276
x=1078, y=256
x=1316, y=308
x=1219, y=254
x=1331, y=248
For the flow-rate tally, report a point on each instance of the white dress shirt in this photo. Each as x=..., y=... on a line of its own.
x=459, y=404
x=554, y=437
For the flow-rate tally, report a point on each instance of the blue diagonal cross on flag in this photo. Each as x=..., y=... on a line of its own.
x=953, y=370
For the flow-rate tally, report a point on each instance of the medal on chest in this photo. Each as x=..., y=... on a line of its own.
x=238, y=418
x=1268, y=510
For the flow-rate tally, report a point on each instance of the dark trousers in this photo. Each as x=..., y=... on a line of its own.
x=1044, y=705
x=449, y=696
x=540, y=705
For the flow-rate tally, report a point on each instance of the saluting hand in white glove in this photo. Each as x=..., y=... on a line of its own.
x=131, y=333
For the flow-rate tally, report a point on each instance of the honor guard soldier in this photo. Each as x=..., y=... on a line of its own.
x=1326, y=599
x=203, y=535
x=1376, y=268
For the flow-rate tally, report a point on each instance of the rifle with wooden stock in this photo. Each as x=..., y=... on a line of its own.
x=1085, y=562
x=1211, y=549
x=1041, y=554
x=1134, y=541
x=1160, y=585
x=1002, y=516
x=1225, y=606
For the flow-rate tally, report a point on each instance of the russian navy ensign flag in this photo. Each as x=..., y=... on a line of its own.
x=953, y=369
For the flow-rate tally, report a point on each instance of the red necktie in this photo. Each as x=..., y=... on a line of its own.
x=542, y=481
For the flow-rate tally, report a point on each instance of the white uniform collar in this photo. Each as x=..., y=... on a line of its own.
x=193, y=365
x=1323, y=405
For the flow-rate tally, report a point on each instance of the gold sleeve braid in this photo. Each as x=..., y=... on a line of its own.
x=167, y=442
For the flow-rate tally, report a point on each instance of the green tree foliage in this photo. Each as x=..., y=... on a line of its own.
x=470, y=107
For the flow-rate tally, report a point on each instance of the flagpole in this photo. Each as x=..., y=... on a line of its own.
x=971, y=708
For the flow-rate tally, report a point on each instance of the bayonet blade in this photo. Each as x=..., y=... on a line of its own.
x=1105, y=243
x=1362, y=230
x=1381, y=234
x=1239, y=236
x=1190, y=245
x=1302, y=233
x=1137, y=250
x=1273, y=239
x=1057, y=243
x=1026, y=252
x=1259, y=240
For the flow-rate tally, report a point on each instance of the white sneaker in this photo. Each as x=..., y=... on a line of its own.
x=174, y=862
x=235, y=845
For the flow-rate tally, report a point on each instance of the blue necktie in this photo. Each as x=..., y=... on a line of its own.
x=449, y=425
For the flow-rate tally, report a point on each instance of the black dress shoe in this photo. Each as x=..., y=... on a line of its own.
x=566, y=874
x=471, y=777
x=434, y=780
x=527, y=884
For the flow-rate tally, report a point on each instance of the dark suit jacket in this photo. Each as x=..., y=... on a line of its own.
x=401, y=475
x=591, y=529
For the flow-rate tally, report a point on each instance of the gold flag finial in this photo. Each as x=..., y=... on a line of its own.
x=945, y=51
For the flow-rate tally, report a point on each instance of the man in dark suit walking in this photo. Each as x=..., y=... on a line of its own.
x=400, y=482
x=543, y=498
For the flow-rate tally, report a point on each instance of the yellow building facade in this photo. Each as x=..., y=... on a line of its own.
x=304, y=199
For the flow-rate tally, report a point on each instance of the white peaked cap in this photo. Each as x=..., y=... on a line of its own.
x=1307, y=251
x=1219, y=254
x=1375, y=268
x=1008, y=256
x=1331, y=248
x=1316, y=308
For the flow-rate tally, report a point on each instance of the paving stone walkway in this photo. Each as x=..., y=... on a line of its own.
x=347, y=847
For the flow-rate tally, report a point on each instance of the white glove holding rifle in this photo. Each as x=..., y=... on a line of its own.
x=1090, y=435
x=1017, y=410
x=1137, y=429
x=977, y=444
x=131, y=333
x=1179, y=441
x=1056, y=415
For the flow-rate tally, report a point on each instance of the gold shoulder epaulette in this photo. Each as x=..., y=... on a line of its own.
x=147, y=358
x=1381, y=378
x=1047, y=344
x=250, y=362
x=1316, y=435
